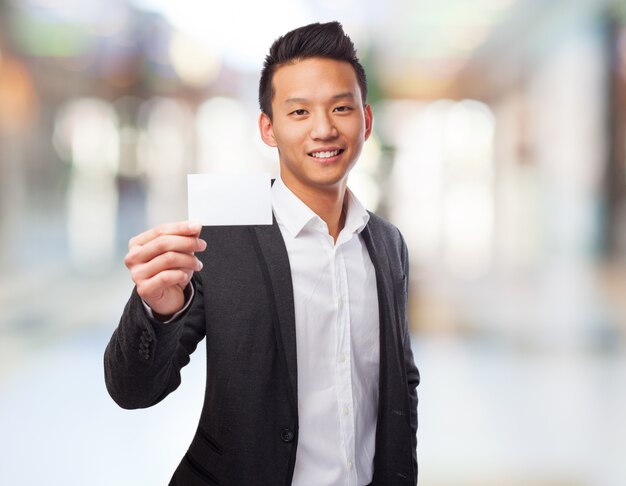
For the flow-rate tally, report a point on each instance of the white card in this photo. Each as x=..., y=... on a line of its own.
x=230, y=199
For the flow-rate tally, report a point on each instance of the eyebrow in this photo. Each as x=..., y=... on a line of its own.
x=339, y=96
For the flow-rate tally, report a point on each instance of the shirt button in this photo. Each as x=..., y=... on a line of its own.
x=350, y=465
x=342, y=358
x=287, y=435
x=346, y=411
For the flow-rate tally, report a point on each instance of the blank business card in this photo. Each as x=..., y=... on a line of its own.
x=230, y=199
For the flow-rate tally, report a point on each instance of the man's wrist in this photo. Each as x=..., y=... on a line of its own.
x=188, y=294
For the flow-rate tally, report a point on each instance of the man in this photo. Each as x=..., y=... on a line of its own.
x=310, y=375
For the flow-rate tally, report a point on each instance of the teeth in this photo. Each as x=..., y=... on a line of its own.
x=324, y=155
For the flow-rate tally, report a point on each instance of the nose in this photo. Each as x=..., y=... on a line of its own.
x=323, y=127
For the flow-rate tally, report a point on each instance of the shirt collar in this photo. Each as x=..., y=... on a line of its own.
x=291, y=212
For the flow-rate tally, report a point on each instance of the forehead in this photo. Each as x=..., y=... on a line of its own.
x=313, y=78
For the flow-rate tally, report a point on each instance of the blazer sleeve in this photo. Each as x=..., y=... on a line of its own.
x=143, y=359
x=412, y=373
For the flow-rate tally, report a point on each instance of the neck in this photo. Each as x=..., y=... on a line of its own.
x=327, y=203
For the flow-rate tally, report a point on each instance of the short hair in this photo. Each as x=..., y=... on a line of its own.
x=314, y=40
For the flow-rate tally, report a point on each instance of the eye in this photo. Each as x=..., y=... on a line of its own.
x=343, y=109
x=299, y=112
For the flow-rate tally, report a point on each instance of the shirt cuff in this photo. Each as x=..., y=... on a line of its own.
x=189, y=294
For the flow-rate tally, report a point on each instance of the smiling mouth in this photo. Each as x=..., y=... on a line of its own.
x=326, y=154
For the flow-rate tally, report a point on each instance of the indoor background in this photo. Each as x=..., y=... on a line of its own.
x=499, y=151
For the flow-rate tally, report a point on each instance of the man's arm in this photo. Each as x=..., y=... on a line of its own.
x=142, y=361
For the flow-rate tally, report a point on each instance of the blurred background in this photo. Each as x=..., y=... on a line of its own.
x=499, y=151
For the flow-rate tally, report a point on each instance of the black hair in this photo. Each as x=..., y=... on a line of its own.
x=314, y=40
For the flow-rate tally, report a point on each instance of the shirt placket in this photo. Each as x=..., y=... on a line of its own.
x=343, y=362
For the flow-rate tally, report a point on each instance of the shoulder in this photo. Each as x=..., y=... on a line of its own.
x=381, y=228
x=385, y=242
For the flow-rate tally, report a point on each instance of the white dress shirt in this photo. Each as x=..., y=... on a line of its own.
x=337, y=338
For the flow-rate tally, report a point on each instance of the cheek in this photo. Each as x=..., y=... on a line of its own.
x=354, y=130
x=288, y=137
x=358, y=137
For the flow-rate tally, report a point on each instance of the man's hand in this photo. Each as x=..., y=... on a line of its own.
x=161, y=263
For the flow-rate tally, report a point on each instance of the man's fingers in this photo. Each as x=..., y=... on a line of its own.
x=166, y=261
x=154, y=287
x=183, y=228
x=163, y=244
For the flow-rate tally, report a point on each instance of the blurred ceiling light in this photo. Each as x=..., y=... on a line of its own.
x=469, y=131
x=86, y=134
x=219, y=120
x=164, y=155
x=87, y=129
x=417, y=178
x=164, y=148
x=468, y=195
x=194, y=63
x=234, y=28
x=442, y=181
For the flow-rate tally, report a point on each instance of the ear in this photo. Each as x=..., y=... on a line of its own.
x=369, y=121
x=267, y=130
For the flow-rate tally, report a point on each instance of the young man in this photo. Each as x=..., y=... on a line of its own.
x=310, y=375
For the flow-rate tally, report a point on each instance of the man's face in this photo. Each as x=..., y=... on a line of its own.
x=319, y=123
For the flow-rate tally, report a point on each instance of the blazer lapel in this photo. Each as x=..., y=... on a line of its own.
x=274, y=258
x=378, y=253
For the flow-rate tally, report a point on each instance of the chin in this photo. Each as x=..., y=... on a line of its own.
x=330, y=182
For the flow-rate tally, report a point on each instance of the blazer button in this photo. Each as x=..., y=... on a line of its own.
x=287, y=435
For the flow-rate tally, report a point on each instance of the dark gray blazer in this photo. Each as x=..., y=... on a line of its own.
x=248, y=429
